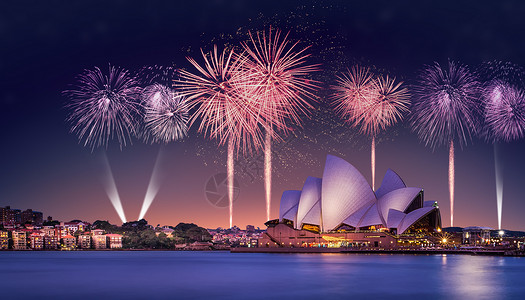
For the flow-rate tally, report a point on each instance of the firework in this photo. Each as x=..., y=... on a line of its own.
x=221, y=95
x=280, y=86
x=445, y=104
x=504, y=112
x=371, y=103
x=504, y=117
x=104, y=107
x=166, y=114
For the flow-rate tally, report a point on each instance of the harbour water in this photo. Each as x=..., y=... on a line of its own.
x=224, y=275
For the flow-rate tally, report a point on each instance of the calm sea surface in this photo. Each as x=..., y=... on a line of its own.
x=222, y=275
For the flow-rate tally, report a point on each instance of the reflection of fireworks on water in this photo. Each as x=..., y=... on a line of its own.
x=444, y=109
x=104, y=107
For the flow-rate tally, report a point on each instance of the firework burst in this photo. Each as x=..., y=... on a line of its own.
x=280, y=87
x=166, y=114
x=221, y=95
x=504, y=122
x=445, y=105
x=371, y=103
x=103, y=107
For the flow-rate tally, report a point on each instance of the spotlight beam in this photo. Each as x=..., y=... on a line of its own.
x=111, y=188
x=154, y=185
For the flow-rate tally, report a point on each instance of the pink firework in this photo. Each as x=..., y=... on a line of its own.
x=371, y=103
x=222, y=97
x=280, y=86
x=279, y=78
x=103, y=107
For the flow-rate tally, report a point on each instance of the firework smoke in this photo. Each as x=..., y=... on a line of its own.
x=444, y=110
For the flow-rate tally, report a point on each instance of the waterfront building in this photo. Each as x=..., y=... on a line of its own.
x=50, y=242
x=4, y=240
x=114, y=241
x=73, y=227
x=341, y=209
x=68, y=242
x=99, y=241
x=37, y=240
x=19, y=238
x=48, y=231
x=84, y=241
x=475, y=235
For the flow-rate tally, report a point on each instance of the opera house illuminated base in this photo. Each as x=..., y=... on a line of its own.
x=341, y=209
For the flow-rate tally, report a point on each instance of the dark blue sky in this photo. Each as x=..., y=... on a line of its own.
x=46, y=44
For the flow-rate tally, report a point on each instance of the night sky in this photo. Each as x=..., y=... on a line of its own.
x=46, y=44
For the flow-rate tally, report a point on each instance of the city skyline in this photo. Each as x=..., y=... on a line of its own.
x=45, y=168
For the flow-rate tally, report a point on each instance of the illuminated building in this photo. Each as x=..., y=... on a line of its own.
x=19, y=239
x=341, y=209
x=50, y=242
x=68, y=242
x=114, y=241
x=37, y=241
x=4, y=240
x=475, y=235
x=84, y=241
x=98, y=239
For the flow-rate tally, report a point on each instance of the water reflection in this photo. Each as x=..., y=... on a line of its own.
x=222, y=275
x=473, y=277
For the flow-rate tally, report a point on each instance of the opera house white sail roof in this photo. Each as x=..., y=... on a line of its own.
x=343, y=197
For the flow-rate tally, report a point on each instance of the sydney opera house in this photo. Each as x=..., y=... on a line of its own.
x=341, y=209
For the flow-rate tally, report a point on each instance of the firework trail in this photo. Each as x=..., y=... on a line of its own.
x=504, y=110
x=280, y=87
x=371, y=103
x=444, y=110
x=103, y=107
x=221, y=95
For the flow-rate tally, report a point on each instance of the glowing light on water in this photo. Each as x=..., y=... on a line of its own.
x=111, y=188
x=153, y=186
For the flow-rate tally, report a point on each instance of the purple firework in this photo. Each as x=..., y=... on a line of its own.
x=104, y=107
x=504, y=111
x=445, y=104
x=166, y=113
